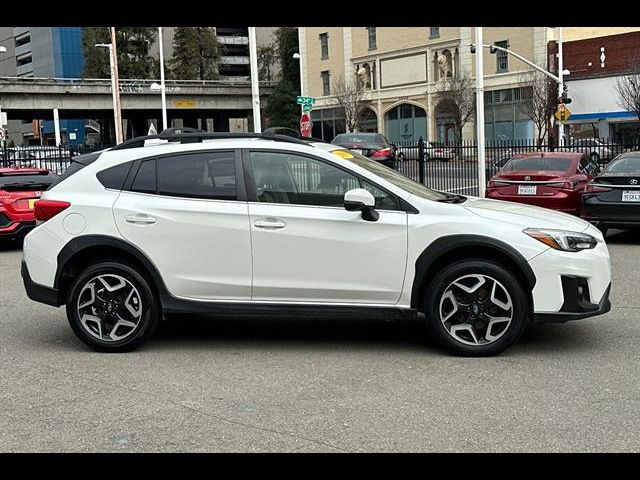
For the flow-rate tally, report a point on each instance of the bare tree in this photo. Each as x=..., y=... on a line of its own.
x=348, y=96
x=628, y=87
x=459, y=93
x=539, y=101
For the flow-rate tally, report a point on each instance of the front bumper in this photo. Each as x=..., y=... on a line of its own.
x=37, y=292
x=576, y=304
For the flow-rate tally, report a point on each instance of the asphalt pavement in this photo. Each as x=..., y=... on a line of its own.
x=301, y=386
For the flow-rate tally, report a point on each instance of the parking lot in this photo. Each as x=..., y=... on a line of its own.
x=251, y=385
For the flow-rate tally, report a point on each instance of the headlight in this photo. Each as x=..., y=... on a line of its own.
x=563, y=240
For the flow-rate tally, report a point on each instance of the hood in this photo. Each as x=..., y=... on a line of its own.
x=525, y=215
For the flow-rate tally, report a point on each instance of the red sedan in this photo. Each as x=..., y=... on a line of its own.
x=19, y=189
x=552, y=180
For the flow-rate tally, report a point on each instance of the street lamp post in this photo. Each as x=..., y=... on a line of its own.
x=115, y=89
x=163, y=88
x=298, y=57
x=255, y=88
x=480, y=115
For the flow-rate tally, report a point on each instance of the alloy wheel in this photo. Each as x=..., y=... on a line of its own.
x=476, y=309
x=109, y=307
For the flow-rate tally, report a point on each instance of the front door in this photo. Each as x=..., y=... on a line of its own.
x=308, y=248
x=191, y=224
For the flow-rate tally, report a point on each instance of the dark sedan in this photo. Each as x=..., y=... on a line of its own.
x=612, y=199
x=372, y=145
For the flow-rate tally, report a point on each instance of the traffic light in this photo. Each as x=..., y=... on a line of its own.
x=492, y=49
x=473, y=47
x=564, y=98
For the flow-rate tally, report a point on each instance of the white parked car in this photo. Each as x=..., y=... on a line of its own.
x=269, y=224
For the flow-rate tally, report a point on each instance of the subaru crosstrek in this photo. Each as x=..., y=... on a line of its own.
x=273, y=225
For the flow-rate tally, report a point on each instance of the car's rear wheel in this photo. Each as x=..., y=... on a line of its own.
x=112, y=308
x=476, y=308
x=595, y=157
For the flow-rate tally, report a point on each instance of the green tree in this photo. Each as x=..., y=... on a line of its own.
x=195, y=54
x=282, y=109
x=266, y=58
x=133, y=45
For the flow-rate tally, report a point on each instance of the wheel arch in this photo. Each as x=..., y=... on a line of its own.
x=451, y=248
x=83, y=251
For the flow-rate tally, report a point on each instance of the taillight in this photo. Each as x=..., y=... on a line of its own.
x=385, y=152
x=564, y=185
x=47, y=209
x=593, y=188
x=497, y=183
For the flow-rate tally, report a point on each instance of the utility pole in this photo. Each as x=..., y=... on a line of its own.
x=116, y=87
x=480, y=113
x=255, y=88
x=56, y=126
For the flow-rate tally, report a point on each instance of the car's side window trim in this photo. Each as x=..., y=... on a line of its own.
x=241, y=188
x=252, y=194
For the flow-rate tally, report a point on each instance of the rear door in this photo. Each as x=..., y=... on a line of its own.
x=188, y=213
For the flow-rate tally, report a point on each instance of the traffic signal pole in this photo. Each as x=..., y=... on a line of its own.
x=560, y=82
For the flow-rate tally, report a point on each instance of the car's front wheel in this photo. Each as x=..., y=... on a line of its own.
x=476, y=308
x=112, y=308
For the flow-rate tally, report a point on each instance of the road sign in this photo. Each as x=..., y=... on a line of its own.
x=306, y=100
x=562, y=113
x=305, y=125
x=307, y=108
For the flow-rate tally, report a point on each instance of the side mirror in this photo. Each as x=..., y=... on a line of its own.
x=361, y=200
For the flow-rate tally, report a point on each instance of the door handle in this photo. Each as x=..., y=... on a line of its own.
x=269, y=224
x=140, y=219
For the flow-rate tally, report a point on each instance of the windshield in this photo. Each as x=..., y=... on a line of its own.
x=538, y=163
x=359, y=138
x=624, y=165
x=392, y=176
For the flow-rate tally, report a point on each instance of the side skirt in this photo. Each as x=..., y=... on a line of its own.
x=173, y=305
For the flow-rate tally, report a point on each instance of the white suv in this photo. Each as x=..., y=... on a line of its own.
x=238, y=224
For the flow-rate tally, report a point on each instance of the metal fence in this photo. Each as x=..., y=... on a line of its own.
x=454, y=167
x=55, y=159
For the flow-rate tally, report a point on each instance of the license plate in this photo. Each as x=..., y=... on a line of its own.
x=32, y=202
x=527, y=189
x=631, y=195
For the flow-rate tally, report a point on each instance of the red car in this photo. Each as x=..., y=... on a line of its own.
x=552, y=180
x=19, y=189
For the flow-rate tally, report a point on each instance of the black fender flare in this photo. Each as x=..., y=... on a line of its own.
x=79, y=244
x=448, y=243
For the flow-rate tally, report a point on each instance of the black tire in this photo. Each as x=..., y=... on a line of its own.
x=595, y=157
x=453, y=272
x=401, y=157
x=149, y=318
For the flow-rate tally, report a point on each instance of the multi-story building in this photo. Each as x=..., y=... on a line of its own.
x=404, y=70
x=596, y=66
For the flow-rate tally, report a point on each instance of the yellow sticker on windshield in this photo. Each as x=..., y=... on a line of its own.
x=342, y=153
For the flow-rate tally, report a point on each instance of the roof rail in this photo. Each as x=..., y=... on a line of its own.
x=198, y=137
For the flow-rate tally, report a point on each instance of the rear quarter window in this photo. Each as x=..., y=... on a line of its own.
x=114, y=177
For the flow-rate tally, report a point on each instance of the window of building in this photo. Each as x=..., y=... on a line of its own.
x=434, y=32
x=372, y=38
x=504, y=117
x=502, y=57
x=198, y=175
x=294, y=179
x=327, y=123
x=324, y=45
x=326, y=82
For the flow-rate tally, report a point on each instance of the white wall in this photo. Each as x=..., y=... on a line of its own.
x=593, y=95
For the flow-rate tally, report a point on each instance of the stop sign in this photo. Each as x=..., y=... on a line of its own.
x=305, y=125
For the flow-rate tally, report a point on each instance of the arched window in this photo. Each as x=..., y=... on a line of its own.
x=405, y=123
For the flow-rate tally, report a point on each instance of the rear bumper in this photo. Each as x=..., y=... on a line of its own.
x=560, y=203
x=37, y=292
x=17, y=230
x=612, y=215
x=576, y=303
